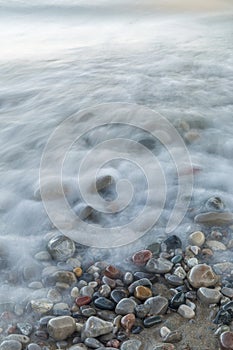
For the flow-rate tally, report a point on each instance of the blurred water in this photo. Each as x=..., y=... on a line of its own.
x=57, y=59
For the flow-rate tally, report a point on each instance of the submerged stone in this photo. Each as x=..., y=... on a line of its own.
x=61, y=247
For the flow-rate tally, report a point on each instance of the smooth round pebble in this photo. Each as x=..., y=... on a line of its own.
x=186, y=311
x=202, y=275
x=226, y=341
x=10, y=345
x=132, y=344
x=197, y=238
x=208, y=295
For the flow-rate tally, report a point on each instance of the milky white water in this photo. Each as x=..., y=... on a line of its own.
x=58, y=58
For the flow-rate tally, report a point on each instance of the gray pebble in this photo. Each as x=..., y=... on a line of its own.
x=159, y=265
x=125, y=306
x=158, y=305
x=92, y=343
x=61, y=327
x=94, y=327
x=209, y=296
x=132, y=344
x=10, y=345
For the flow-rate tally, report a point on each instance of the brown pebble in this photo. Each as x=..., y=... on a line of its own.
x=128, y=322
x=142, y=293
x=113, y=343
x=226, y=341
x=78, y=271
x=207, y=252
x=112, y=272
x=84, y=300
x=141, y=257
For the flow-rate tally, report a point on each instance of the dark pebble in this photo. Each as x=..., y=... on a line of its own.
x=121, y=336
x=176, y=259
x=228, y=307
x=155, y=248
x=117, y=295
x=44, y=320
x=104, y=303
x=106, y=315
x=177, y=300
x=41, y=335
x=223, y=317
x=136, y=329
x=173, y=242
x=151, y=321
x=192, y=295
x=173, y=337
x=92, y=343
x=138, y=275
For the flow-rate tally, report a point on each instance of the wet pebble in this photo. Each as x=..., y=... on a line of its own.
x=142, y=282
x=128, y=278
x=92, y=343
x=132, y=344
x=228, y=292
x=177, y=300
x=87, y=291
x=61, y=327
x=83, y=300
x=202, y=275
x=173, y=337
x=173, y=242
x=177, y=259
x=208, y=295
x=104, y=291
x=174, y=280
x=61, y=247
x=226, y=341
x=186, y=311
x=41, y=306
x=125, y=306
x=159, y=265
x=33, y=346
x=87, y=311
x=128, y=322
x=10, y=345
x=141, y=257
x=158, y=305
x=151, y=321
x=112, y=272
x=197, y=238
x=94, y=327
x=142, y=293
x=117, y=295
x=104, y=303
x=25, y=328
x=223, y=317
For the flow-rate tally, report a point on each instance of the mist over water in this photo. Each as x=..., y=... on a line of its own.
x=57, y=59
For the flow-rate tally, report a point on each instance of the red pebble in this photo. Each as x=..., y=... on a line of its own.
x=128, y=322
x=112, y=272
x=140, y=258
x=80, y=301
x=226, y=341
x=113, y=343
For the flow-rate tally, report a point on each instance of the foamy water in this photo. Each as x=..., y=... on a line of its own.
x=58, y=59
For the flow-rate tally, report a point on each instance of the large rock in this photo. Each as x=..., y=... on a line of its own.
x=61, y=327
x=94, y=327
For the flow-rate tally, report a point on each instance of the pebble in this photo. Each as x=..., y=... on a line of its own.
x=128, y=322
x=104, y=303
x=142, y=310
x=151, y=321
x=159, y=265
x=87, y=311
x=61, y=327
x=177, y=259
x=128, y=278
x=228, y=292
x=179, y=271
x=174, y=280
x=112, y=272
x=114, y=343
x=92, y=343
x=177, y=300
x=214, y=219
x=223, y=267
x=104, y=290
x=25, y=328
x=94, y=327
x=64, y=277
x=223, y=317
x=158, y=305
x=173, y=337
x=77, y=347
x=209, y=296
x=33, y=346
x=132, y=344
x=162, y=346
x=186, y=311
x=192, y=262
x=155, y=248
x=83, y=300
x=117, y=295
x=215, y=245
x=142, y=293
x=202, y=275
x=54, y=296
x=109, y=281
x=164, y=331
x=61, y=247
x=197, y=238
x=87, y=291
x=125, y=306
x=226, y=341
x=141, y=282
x=41, y=306
x=10, y=345
x=141, y=257
x=173, y=242
x=23, y=339
x=78, y=271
